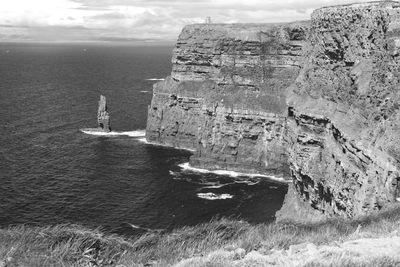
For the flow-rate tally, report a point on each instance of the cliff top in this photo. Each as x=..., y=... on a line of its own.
x=245, y=26
x=375, y=4
x=242, y=31
x=230, y=242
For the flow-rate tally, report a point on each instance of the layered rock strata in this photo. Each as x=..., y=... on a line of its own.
x=322, y=100
x=344, y=120
x=226, y=97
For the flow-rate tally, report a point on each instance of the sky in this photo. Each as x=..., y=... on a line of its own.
x=131, y=20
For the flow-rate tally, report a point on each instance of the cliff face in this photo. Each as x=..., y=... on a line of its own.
x=343, y=120
x=320, y=100
x=226, y=97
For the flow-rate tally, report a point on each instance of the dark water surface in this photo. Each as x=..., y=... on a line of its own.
x=51, y=173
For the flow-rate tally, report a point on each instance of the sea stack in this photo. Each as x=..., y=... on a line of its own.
x=103, y=117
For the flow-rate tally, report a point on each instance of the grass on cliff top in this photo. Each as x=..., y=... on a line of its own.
x=71, y=245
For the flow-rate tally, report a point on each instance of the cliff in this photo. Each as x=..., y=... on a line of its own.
x=343, y=120
x=317, y=102
x=226, y=97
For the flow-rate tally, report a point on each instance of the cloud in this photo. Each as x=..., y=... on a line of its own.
x=141, y=19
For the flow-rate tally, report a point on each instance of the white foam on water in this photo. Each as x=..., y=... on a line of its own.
x=213, y=196
x=247, y=182
x=155, y=79
x=187, y=167
x=215, y=186
x=205, y=185
x=138, y=133
x=143, y=140
x=144, y=91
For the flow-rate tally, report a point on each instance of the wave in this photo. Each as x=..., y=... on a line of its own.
x=144, y=91
x=137, y=133
x=206, y=185
x=234, y=174
x=144, y=140
x=216, y=186
x=247, y=182
x=155, y=79
x=213, y=196
x=213, y=184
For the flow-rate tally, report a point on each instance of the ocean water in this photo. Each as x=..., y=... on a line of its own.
x=51, y=172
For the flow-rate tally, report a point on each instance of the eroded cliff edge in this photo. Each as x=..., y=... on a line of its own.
x=316, y=102
x=226, y=97
x=343, y=120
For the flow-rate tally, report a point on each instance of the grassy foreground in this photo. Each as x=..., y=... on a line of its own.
x=222, y=242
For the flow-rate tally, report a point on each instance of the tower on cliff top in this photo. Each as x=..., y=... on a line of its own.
x=208, y=20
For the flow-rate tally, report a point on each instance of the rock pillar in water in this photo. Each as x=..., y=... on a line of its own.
x=103, y=117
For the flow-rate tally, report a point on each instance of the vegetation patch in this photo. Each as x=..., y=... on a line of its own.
x=221, y=242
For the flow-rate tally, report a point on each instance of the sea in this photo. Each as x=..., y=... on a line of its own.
x=53, y=173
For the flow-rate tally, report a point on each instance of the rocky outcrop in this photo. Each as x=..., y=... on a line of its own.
x=226, y=97
x=296, y=209
x=343, y=120
x=103, y=117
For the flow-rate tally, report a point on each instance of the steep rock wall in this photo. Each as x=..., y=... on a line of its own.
x=344, y=120
x=320, y=99
x=226, y=97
